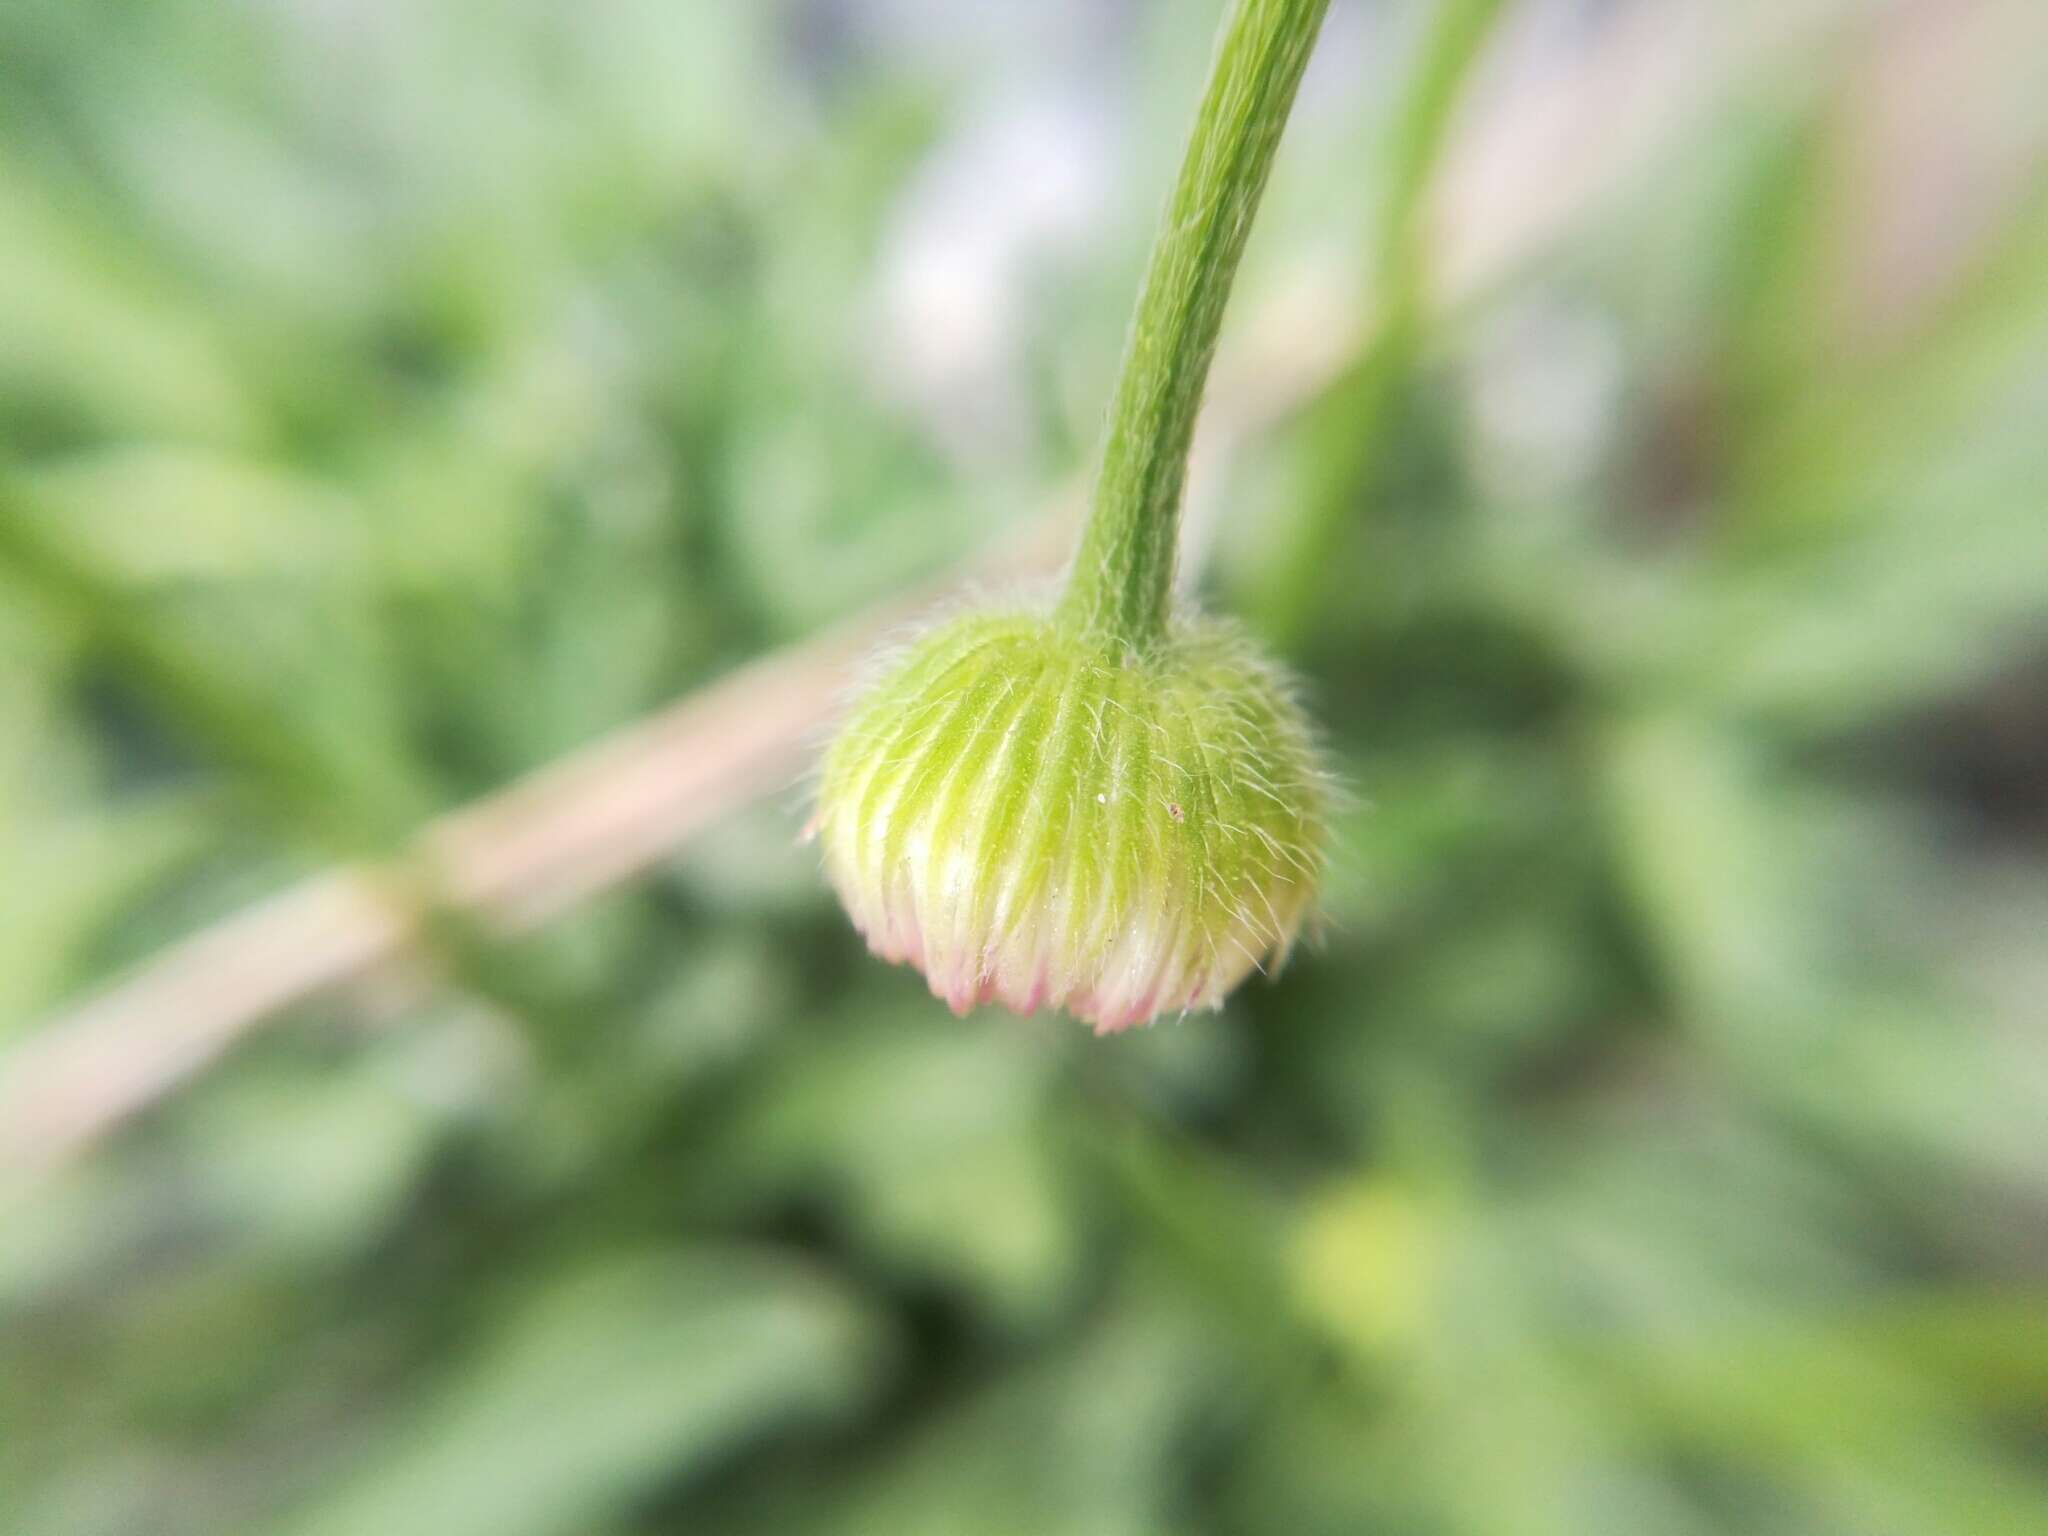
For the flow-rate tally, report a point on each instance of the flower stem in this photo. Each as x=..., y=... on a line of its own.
x=1122, y=583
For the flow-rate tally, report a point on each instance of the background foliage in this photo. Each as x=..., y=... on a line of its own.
x=395, y=396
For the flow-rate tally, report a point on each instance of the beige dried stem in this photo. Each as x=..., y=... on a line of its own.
x=600, y=816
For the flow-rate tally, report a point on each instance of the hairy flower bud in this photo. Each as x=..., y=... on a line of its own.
x=1031, y=817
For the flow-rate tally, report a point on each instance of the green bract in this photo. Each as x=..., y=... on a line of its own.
x=1034, y=816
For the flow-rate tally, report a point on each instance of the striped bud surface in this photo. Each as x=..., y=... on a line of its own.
x=1033, y=817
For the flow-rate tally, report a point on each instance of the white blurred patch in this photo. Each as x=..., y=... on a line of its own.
x=1542, y=394
x=990, y=214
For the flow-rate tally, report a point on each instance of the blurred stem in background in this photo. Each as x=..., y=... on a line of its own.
x=1123, y=575
x=324, y=796
x=1347, y=427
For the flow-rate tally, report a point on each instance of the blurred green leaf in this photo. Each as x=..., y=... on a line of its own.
x=935, y=1149
x=606, y=1382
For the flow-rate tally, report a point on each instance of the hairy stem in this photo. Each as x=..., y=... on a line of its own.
x=1123, y=575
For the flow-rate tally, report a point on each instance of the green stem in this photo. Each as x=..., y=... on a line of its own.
x=1122, y=583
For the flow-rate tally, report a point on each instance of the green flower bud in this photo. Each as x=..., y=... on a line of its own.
x=1036, y=816
x=1114, y=809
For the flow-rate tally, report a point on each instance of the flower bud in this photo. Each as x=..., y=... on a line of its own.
x=1031, y=818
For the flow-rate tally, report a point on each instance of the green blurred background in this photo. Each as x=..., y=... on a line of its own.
x=1632, y=428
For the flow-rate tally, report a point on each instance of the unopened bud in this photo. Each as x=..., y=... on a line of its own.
x=1032, y=818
